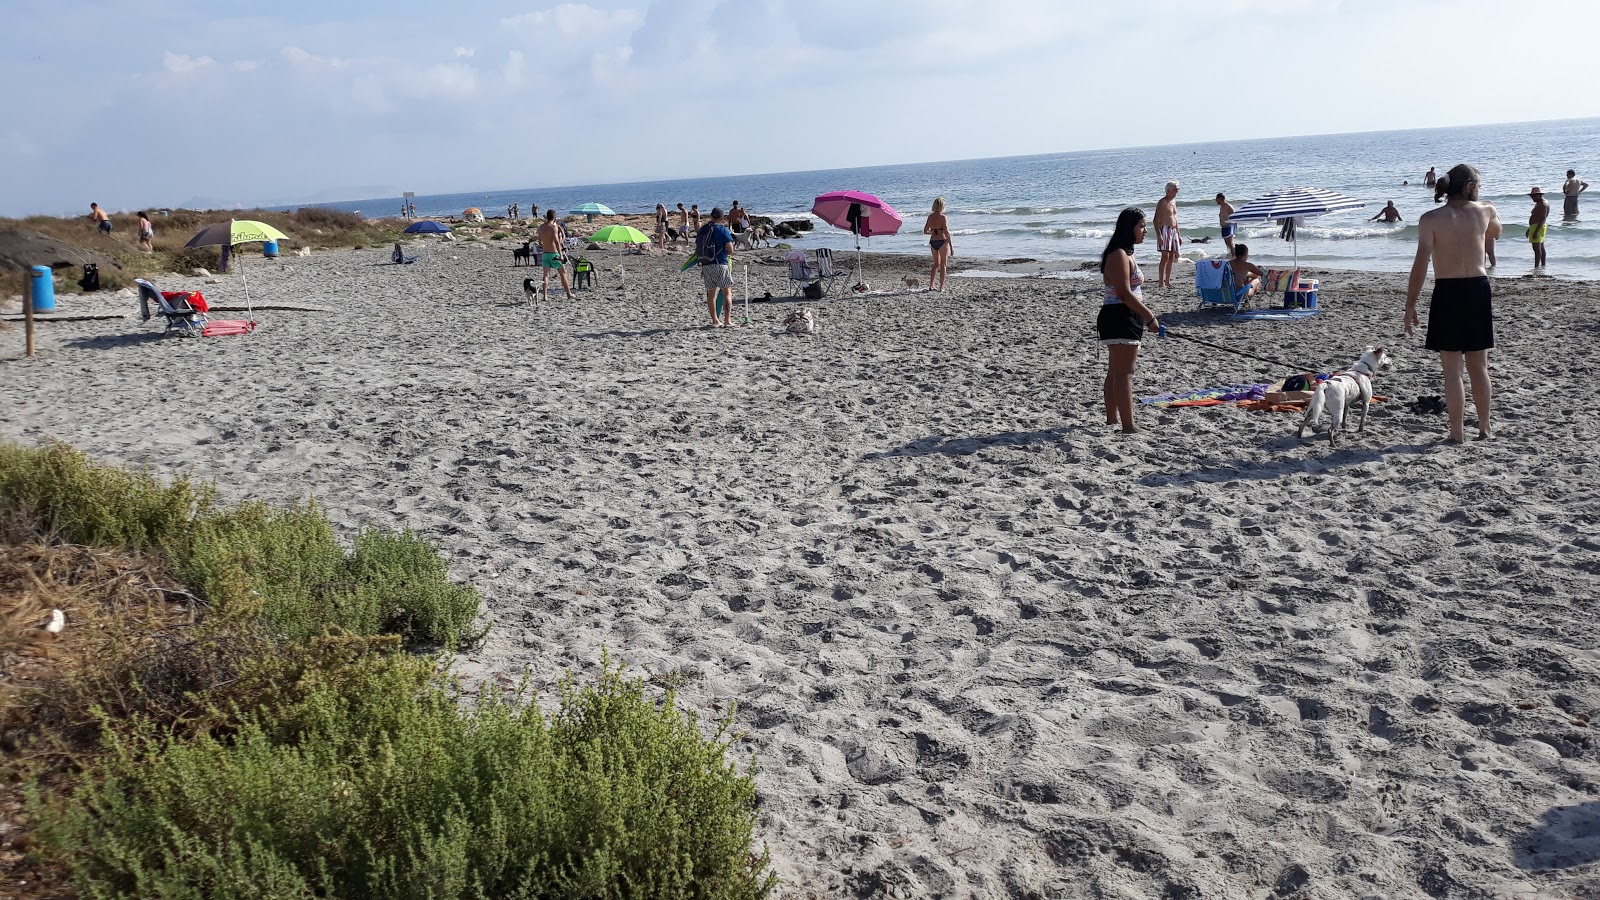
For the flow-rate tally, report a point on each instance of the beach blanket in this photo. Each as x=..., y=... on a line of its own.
x=1212, y=396
x=225, y=327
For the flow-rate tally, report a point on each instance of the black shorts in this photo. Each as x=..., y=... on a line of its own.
x=1119, y=324
x=1461, y=315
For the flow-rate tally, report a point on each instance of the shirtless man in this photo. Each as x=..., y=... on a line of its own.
x=1388, y=214
x=1570, y=190
x=1168, y=241
x=550, y=252
x=1224, y=210
x=1247, y=275
x=1428, y=179
x=1460, y=316
x=1537, y=226
x=99, y=218
x=683, y=224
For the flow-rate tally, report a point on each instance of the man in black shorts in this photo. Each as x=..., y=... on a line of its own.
x=1455, y=237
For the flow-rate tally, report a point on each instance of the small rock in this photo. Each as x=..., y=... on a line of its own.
x=201, y=273
x=213, y=280
x=58, y=622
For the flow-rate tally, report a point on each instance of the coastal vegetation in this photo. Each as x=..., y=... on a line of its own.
x=311, y=226
x=238, y=705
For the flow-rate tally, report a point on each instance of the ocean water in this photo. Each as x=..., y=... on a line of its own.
x=1059, y=208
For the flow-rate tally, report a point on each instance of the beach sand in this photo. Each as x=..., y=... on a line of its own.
x=977, y=644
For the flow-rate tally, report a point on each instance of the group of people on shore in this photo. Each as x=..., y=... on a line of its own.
x=1456, y=239
x=736, y=220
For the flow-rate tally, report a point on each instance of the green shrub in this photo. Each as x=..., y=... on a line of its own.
x=285, y=566
x=371, y=786
x=56, y=493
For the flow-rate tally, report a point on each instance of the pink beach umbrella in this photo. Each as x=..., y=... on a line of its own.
x=868, y=214
x=861, y=214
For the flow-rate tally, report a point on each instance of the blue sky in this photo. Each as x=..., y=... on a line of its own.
x=181, y=104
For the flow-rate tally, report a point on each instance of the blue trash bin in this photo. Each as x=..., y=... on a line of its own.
x=269, y=249
x=42, y=290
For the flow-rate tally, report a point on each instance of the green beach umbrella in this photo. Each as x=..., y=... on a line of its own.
x=235, y=231
x=590, y=210
x=620, y=234
x=232, y=232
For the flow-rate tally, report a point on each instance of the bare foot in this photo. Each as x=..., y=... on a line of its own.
x=1484, y=436
x=1132, y=430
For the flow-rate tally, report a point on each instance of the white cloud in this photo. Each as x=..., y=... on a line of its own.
x=464, y=51
x=181, y=64
x=512, y=73
x=575, y=20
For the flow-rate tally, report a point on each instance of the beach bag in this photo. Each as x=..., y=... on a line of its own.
x=705, y=245
x=800, y=322
x=812, y=291
x=91, y=278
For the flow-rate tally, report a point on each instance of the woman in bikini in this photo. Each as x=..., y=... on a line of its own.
x=661, y=226
x=938, y=231
x=1123, y=316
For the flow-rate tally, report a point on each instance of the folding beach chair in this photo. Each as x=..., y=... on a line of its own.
x=1213, y=281
x=825, y=270
x=182, y=315
x=800, y=272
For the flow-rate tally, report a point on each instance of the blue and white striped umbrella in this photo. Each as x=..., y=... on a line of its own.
x=1294, y=202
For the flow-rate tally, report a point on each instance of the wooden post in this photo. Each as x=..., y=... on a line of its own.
x=27, y=309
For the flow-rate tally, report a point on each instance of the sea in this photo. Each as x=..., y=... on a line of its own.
x=1058, y=208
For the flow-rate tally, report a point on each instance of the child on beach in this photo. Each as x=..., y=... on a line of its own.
x=1461, y=314
x=1123, y=316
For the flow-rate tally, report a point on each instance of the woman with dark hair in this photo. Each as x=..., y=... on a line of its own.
x=1456, y=238
x=1123, y=316
x=661, y=225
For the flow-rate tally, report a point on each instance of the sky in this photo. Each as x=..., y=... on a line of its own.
x=166, y=103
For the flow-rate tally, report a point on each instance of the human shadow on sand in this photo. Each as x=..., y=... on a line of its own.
x=113, y=341
x=938, y=445
x=1569, y=836
x=1267, y=465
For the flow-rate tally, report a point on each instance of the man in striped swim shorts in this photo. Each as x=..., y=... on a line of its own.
x=1167, y=238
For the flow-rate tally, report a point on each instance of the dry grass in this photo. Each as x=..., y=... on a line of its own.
x=116, y=604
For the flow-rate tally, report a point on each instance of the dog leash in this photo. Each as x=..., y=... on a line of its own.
x=1164, y=332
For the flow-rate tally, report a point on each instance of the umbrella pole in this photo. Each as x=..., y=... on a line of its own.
x=250, y=312
x=746, y=294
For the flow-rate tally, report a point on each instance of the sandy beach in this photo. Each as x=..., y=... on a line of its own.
x=977, y=644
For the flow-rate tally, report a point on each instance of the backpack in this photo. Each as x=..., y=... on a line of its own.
x=91, y=278
x=705, y=245
x=801, y=322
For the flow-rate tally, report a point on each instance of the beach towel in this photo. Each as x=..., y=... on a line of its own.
x=1213, y=396
x=1208, y=274
x=225, y=327
x=195, y=298
x=1275, y=313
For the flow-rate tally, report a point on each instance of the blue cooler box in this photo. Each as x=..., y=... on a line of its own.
x=1304, y=297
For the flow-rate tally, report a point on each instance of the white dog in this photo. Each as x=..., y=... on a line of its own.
x=1344, y=388
x=750, y=237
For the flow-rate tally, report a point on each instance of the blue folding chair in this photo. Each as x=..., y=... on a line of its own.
x=1213, y=281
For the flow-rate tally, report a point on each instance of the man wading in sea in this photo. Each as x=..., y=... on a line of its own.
x=1538, y=226
x=1224, y=210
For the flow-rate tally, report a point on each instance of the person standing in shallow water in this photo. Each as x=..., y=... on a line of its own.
x=1455, y=238
x=1123, y=317
x=1570, y=189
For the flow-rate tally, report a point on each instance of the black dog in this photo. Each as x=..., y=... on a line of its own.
x=530, y=289
x=523, y=255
